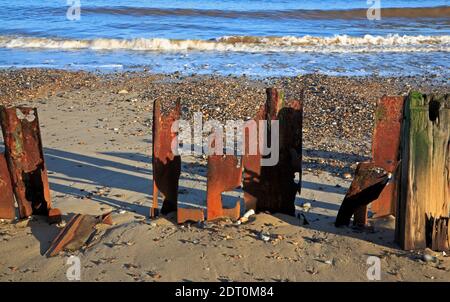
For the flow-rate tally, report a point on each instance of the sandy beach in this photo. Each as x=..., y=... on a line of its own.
x=96, y=131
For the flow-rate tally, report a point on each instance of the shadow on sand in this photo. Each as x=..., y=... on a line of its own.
x=86, y=170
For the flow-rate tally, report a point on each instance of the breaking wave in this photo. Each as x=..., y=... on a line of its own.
x=337, y=43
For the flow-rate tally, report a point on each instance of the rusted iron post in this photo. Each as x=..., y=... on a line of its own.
x=224, y=174
x=424, y=203
x=367, y=185
x=23, y=152
x=273, y=188
x=7, y=209
x=385, y=154
x=252, y=162
x=166, y=165
x=291, y=145
x=386, y=149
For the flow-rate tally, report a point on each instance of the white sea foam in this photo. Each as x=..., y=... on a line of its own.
x=338, y=43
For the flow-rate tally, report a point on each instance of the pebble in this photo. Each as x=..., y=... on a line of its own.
x=264, y=236
x=428, y=258
x=306, y=206
x=61, y=224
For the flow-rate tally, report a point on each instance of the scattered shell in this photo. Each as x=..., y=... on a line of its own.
x=246, y=216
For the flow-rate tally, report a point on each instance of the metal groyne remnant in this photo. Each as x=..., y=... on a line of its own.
x=25, y=163
x=7, y=209
x=166, y=165
x=266, y=187
x=411, y=149
x=408, y=175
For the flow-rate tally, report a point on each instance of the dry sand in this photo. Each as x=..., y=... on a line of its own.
x=97, y=146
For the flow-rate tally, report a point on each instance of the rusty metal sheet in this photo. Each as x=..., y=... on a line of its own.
x=360, y=217
x=23, y=152
x=252, y=167
x=366, y=186
x=7, y=209
x=386, y=149
x=166, y=165
x=224, y=174
x=291, y=141
x=77, y=233
x=190, y=214
x=273, y=188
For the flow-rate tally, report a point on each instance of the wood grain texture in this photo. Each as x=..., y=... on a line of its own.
x=425, y=176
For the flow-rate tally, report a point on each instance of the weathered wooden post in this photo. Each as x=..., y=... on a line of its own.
x=424, y=204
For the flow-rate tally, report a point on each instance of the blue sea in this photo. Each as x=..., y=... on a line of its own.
x=252, y=37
